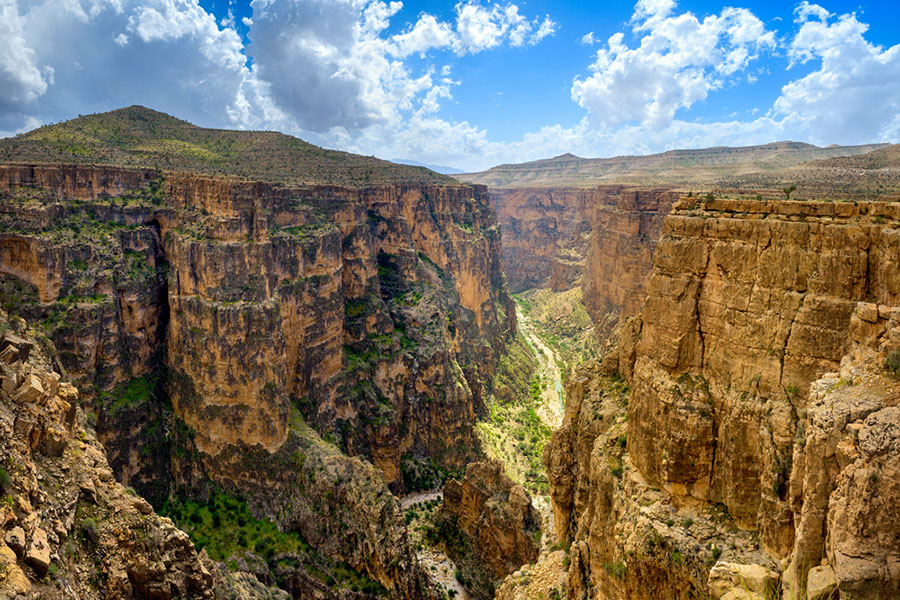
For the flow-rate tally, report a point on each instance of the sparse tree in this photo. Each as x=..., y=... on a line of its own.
x=788, y=191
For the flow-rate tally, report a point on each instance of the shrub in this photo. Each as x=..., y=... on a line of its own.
x=892, y=363
x=90, y=530
x=5, y=480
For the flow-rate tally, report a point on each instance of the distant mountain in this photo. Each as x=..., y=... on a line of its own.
x=436, y=168
x=875, y=174
x=139, y=136
x=700, y=168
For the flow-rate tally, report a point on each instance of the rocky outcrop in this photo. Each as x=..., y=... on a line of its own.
x=376, y=314
x=748, y=303
x=67, y=528
x=496, y=515
x=843, y=485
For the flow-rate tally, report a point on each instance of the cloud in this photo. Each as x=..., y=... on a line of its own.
x=679, y=60
x=854, y=95
x=589, y=39
x=83, y=56
x=21, y=77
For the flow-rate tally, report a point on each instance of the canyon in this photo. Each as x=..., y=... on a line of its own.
x=270, y=345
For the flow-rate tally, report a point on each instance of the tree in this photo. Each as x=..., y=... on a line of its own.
x=788, y=191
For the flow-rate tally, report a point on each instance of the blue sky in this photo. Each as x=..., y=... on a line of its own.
x=468, y=84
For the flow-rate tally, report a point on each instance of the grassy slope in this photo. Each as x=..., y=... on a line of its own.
x=138, y=136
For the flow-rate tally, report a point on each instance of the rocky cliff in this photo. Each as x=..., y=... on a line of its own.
x=603, y=237
x=229, y=313
x=489, y=526
x=67, y=528
x=625, y=227
x=545, y=234
x=704, y=459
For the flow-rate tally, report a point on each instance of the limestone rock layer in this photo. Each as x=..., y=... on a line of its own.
x=756, y=409
x=229, y=313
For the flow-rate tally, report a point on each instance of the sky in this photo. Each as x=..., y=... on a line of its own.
x=470, y=84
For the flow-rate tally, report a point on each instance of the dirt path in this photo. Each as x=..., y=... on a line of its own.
x=552, y=410
x=438, y=564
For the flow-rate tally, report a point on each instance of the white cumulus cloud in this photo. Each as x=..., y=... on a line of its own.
x=679, y=60
x=854, y=94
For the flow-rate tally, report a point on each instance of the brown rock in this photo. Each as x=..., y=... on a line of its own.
x=15, y=539
x=725, y=577
x=867, y=311
x=38, y=555
x=30, y=390
x=13, y=582
x=496, y=515
x=820, y=583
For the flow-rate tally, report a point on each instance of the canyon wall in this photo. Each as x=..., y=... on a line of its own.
x=545, y=233
x=231, y=313
x=603, y=236
x=704, y=459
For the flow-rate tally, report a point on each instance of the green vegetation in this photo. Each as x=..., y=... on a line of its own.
x=140, y=137
x=5, y=481
x=513, y=432
x=226, y=528
x=528, y=432
x=130, y=394
x=561, y=321
x=16, y=295
x=616, y=570
x=892, y=363
x=421, y=474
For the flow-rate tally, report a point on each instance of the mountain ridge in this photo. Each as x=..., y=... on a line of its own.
x=136, y=136
x=682, y=167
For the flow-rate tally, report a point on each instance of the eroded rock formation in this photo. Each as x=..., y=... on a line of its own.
x=67, y=528
x=721, y=453
x=376, y=315
x=494, y=529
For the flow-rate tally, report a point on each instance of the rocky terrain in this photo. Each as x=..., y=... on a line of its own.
x=67, y=528
x=705, y=168
x=209, y=319
x=488, y=525
x=715, y=443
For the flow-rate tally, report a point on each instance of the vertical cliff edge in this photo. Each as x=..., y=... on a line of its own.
x=208, y=320
x=738, y=435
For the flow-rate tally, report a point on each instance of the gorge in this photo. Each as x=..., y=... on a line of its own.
x=270, y=343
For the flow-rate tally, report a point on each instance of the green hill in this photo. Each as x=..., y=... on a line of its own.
x=140, y=137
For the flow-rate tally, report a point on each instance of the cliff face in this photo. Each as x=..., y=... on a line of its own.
x=747, y=303
x=624, y=233
x=603, y=236
x=67, y=528
x=496, y=515
x=545, y=234
x=376, y=315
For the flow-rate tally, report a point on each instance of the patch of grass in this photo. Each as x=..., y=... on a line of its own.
x=892, y=363
x=135, y=392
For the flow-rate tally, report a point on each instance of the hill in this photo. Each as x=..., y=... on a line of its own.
x=699, y=168
x=140, y=137
x=870, y=175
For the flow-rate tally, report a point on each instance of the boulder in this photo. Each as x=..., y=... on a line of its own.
x=727, y=576
x=15, y=539
x=38, y=556
x=820, y=583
